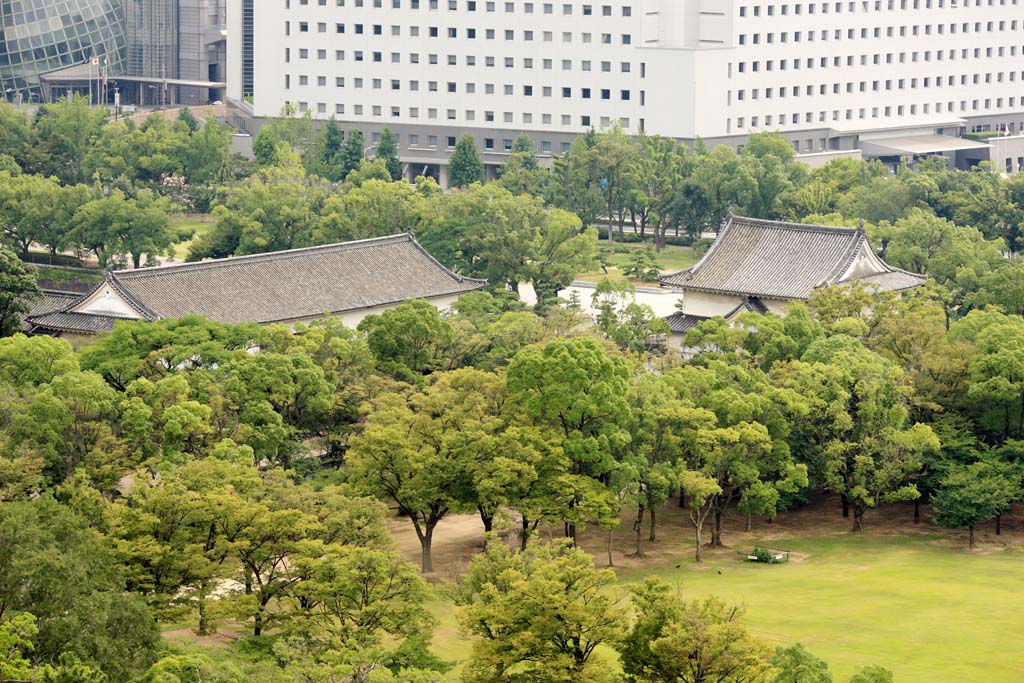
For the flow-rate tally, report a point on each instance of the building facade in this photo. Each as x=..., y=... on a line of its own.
x=762, y=266
x=830, y=76
x=153, y=51
x=40, y=36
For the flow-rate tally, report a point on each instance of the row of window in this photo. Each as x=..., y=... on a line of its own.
x=768, y=121
x=469, y=33
x=469, y=88
x=876, y=59
x=586, y=9
x=469, y=115
x=865, y=6
x=876, y=32
x=873, y=86
x=452, y=60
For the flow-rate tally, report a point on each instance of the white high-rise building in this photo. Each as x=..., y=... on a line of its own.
x=887, y=77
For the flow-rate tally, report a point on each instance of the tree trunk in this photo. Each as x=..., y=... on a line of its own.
x=858, y=514
x=486, y=517
x=426, y=539
x=651, y=536
x=204, y=626
x=257, y=627
x=524, y=534
x=747, y=527
x=136, y=260
x=699, y=557
x=610, y=562
x=999, y=524
x=682, y=500
x=570, y=531
x=970, y=530
x=846, y=504
x=716, y=531
x=638, y=527
x=917, y=511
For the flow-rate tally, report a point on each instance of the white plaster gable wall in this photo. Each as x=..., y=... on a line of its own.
x=106, y=301
x=866, y=263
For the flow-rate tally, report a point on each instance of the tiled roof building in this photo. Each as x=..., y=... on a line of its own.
x=763, y=265
x=351, y=280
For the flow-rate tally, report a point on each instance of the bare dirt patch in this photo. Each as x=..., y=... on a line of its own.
x=459, y=537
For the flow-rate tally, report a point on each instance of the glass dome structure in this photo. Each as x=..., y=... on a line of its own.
x=38, y=36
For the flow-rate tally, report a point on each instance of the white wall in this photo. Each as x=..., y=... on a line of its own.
x=706, y=67
x=353, y=318
x=105, y=301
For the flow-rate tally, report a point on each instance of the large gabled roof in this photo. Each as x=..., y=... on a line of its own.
x=776, y=260
x=299, y=283
x=280, y=286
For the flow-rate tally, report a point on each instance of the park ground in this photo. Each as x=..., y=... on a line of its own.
x=617, y=258
x=909, y=597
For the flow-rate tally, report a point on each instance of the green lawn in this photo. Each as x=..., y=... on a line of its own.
x=911, y=603
x=924, y=610
x=199, y=223
x=617, y=256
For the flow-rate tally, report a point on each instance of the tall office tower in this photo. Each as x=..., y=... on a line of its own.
x=885, y=78
x=40, y=36
x=178, y=40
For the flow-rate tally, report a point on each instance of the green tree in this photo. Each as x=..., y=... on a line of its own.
x=416, y=450
x=632, y=326
x=794, y=664
x=702, y=491
x=115, y=225
x=573, y=185
x=373, y=209
x=387, y=149
x=55, y=567
x=405, y=339
x=64, y=132
x=464, y=166
x=186, y=117
x=17, y=290
x=576, y=389
x=353, y=152
x=610, y=159
x=972, y=494
x=871, y=674
x=274, y=210
x=859, y=424
x=539, y=615
x=702, y=641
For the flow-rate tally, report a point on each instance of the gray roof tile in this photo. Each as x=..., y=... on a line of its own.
x=288, y=285
x=760, y=258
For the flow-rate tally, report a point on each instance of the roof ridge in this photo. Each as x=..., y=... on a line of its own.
x=446, y=269
x=859, y=242
x=803, y=227
x=695, y=268
x=265, y=256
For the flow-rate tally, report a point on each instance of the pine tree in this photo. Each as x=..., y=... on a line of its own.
x=330, y=152
x=523, y=145
x=387, y=149
x=464, y=166
x=352, y=152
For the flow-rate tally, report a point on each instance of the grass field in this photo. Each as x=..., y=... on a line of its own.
x=199, y=223
x=669, y=260
x=925, y=611
x=909, y=598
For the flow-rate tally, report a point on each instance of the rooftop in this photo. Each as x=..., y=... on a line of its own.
x=776, y=260
x=276, y=287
